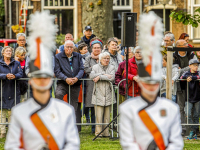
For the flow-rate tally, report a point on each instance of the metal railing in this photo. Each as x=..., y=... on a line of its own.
x=83, y=86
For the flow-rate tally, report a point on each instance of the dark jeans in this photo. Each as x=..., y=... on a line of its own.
x=92, y=118
x=181, y=102
x=193, y=114
x=173, y=97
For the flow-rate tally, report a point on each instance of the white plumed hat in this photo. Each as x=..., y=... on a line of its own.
x=41, y=42
x=150, y=39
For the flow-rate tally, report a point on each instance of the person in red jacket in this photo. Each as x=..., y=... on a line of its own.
x=119, y=75
x=133, y=72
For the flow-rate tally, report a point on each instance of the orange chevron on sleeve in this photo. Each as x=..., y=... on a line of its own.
x=21, y=139
x=151, y=126
x=49, y=139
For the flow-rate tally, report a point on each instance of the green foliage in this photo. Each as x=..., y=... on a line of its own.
x=185, y=18
x=60, y=39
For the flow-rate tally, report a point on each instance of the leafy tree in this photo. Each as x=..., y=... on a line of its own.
x=185, y=18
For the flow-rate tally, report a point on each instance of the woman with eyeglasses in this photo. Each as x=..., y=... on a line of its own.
x=185, y=37
x=90, y=61
x=133, y=73
x=10, y=70
x=102, y=92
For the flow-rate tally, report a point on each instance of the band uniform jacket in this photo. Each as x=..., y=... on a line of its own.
x=150, y=126
x=33, y=126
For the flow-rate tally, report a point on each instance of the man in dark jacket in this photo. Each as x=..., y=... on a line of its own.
x=193, y=101
x=182, y=58
x=87, y=37
x=69, y=68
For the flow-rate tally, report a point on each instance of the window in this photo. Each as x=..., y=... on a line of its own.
x=194, y=32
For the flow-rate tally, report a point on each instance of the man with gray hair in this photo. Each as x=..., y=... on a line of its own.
x=69, y=68
x=21, y=40
x=168, y=40
x=70, y=37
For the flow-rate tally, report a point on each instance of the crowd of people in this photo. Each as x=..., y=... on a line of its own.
x=91, y=59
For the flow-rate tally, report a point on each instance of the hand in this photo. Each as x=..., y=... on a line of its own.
x=135, y=78
x=179, y=67
x=12, y=76
x=108, y=75
x=189, y=79
x=70, y=81
x=8, y=76
x=96, y=79
x=75, y=79
x=172, y=82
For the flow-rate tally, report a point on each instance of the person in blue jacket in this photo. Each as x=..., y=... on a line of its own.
x=10, y=70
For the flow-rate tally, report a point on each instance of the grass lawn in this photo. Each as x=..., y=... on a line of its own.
x=108, y=144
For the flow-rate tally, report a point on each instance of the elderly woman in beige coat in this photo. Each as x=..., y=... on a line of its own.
x=102, y=93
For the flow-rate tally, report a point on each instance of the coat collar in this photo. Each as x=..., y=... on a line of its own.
x=74, y=54
x=3, y=62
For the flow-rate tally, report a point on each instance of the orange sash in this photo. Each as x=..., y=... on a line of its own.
x=151, y=126
x=44, y=132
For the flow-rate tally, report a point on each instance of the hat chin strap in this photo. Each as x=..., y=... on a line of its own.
x=41, y=88
x=152, y=93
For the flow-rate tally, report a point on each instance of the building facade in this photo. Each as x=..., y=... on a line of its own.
x=69, y=15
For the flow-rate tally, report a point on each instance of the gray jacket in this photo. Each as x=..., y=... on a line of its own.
x=89, y=63
x=175, y=76
x=102, y=92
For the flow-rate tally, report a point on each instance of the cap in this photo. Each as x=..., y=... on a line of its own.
x=88, y=28
x=193, y=61
x=41, y=42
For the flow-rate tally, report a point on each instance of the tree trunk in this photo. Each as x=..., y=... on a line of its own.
x=99, y=15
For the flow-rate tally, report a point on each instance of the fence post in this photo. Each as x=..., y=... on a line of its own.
x=169, y=75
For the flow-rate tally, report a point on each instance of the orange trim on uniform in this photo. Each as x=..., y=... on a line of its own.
x=49, y=139
x=37, y=60
x=21, y=139
x=148, y=67
x=80, y=97
x=153, y=129
x=65, y=98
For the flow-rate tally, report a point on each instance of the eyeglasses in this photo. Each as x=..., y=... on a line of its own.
x=106, y=58
x=137, y=52
x=96, y=48
x=22, y=40
x=69, y=47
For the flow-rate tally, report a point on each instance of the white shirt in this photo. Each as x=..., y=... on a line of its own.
x=135, y=133
x=57, y=117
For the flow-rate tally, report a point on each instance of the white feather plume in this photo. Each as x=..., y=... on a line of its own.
x=150, y=43
x=41, y=24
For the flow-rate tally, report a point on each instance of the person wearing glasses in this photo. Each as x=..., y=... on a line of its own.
x=185, y=37
x=133, y=73
x=102, y=92
x=10, y=70
x=182, y=58
x=69, y=69
x=21, y=41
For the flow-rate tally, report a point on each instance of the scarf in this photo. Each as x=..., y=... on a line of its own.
x=95, y=57
x=87, y=41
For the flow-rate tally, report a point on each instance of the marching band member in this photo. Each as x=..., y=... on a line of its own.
x=148, y=122
x=42, y=122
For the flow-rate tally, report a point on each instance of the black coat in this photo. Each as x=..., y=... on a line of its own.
x=8, y=92
x=63, y=70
